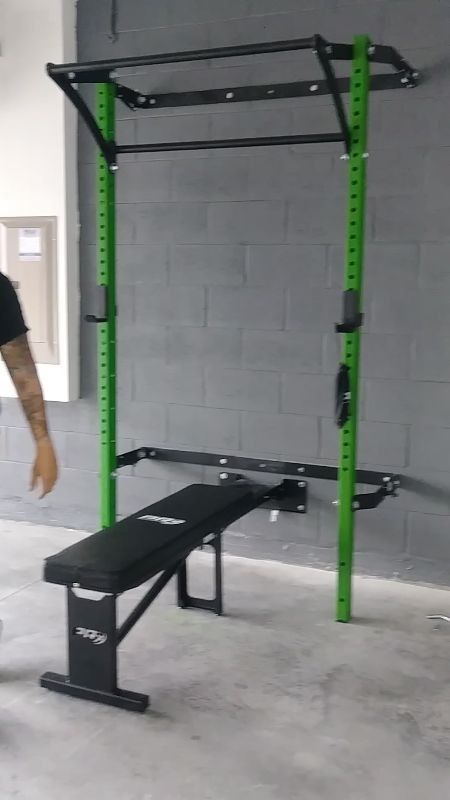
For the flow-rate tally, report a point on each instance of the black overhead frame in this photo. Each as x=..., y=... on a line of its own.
x=105, y=71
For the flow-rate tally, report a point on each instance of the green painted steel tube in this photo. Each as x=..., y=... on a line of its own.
x=359, y=97
x=106, y=331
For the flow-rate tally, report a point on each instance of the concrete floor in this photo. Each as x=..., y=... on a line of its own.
x=274, y=701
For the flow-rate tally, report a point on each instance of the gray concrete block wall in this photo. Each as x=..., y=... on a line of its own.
x=229, y=273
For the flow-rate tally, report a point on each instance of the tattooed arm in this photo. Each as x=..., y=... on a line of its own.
x=18, y=359
x=19, y=362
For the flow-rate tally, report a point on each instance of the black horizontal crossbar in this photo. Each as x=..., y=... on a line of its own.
x=246, y=94
x=227, y=462
x=258, y=48
x=215, y=144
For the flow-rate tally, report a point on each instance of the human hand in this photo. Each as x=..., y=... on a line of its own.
x=45, y=467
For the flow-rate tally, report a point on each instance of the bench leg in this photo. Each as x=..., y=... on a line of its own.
x=92, y=644
x=184, y=598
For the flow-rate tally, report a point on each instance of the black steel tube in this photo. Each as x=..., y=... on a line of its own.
x=333, y=88
x=107, y=148
x=186, y=55
x=383, y=54
x=263, y=141
x=378, y=53
x=145, y=602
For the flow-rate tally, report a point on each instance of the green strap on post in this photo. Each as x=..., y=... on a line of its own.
x=106, y=330
x=359, y=96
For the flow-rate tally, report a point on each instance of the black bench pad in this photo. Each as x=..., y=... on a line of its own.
x=134, y=550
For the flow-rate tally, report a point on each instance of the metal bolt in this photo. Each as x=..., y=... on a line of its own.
x=153, y=101
x=300, y=508
x=404, y=80
x=365, y=155
x=142, y=454
x=335, y=502
x=113, y=474
x=355, y=505
x=114, y=74
x=141, y=99
x=71, y=76
x=315, y=51
x=152, y=453
x=301, y=484
x=114, y=167
x=262, y=466
x=76, y=585
x=416, y=74
x=329, y=49
x=371, y=50
x=223, y=476
x=314, y=87
x=270, y=91
x=223, y=461
x=300, y=469
x=274, y=515
x=229, y=95
x=386, y=479
x=344, y=157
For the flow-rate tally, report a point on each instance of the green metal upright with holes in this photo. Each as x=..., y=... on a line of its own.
x=106, y=329
x=353, y=280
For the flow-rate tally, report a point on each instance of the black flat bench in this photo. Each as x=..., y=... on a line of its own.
x=155, y=541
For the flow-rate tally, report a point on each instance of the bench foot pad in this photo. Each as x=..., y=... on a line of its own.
x=129, y=701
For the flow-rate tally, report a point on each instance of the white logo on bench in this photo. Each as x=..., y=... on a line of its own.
x=162, y=520
x=96, y=637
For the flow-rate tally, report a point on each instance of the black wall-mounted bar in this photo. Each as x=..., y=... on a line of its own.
x=246, y=94
x=185, y=55
x=241, y=463
x=215, y=144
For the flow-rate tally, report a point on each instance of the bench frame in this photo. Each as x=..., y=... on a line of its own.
x=93, y=635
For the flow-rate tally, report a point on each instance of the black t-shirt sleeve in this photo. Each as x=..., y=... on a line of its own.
x=12, y=323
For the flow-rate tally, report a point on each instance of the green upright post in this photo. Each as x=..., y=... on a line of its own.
x=359, y=95
x=106, y=331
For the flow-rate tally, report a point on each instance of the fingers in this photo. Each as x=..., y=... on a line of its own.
x=45, y=470
x=34, y=477
x=48, y=483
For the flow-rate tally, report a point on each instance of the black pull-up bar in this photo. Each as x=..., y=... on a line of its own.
x=215, y=144
x=185, y=55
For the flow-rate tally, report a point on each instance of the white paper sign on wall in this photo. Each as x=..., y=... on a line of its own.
x=30, y=244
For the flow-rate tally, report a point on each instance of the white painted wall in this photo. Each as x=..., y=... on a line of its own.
x=38, y=170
